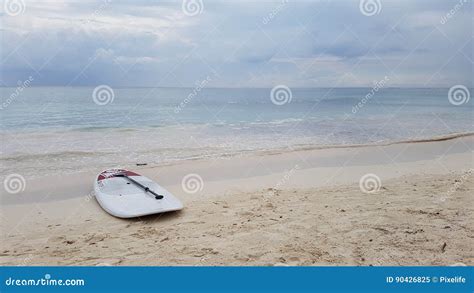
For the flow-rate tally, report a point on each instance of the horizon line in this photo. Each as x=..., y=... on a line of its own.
x=270, y=87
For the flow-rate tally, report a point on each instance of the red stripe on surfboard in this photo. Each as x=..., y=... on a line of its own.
x=111, y=174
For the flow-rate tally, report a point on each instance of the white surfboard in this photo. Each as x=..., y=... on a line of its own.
x=126, y=194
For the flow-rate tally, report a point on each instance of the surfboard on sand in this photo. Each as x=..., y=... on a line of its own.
x=126, y=194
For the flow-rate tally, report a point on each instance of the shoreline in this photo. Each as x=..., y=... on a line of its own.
x=337, y=164
x=77, y=155
x=437, y=138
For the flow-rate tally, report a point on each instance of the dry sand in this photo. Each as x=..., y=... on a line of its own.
x=292, y=208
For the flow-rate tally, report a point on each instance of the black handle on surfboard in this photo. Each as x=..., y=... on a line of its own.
x=157, y=196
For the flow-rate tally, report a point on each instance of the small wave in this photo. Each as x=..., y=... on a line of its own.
x=445, y=137
x=437, y=138
x=100, y=128
x=218, y=150
x=263, y=151
x=278, y=121
x=128, y=129
x=59, y=155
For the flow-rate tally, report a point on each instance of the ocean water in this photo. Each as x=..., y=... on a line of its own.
x=64, y=129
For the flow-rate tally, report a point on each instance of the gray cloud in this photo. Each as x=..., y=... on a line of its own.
x=254, y=44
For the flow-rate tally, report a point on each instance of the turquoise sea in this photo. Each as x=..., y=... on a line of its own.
x=62, y=129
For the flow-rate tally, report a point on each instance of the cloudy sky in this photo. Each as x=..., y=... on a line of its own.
x=237, y=43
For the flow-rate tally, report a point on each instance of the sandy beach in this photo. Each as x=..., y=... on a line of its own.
x=300, y=207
